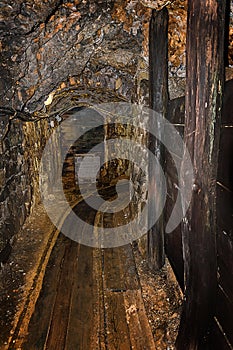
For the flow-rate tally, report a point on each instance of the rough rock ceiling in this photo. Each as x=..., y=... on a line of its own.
x=44, y=44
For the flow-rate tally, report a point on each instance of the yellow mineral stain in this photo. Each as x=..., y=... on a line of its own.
x=118, y=83
x=63, y=85
x=72, y=81
x=20, y=96
x=49, y=99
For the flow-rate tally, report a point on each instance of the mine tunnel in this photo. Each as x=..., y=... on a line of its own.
x=116, y=175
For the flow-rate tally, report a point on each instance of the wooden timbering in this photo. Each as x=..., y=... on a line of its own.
x=205, y=76
x=158, y=80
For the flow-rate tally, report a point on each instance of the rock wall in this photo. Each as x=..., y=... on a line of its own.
x=56, y=55
x=20, y=151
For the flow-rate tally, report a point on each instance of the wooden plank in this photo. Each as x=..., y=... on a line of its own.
x=173, y=241
x=119, y=266
x=172, y=178
x=98, y=280
x=205, y=77
x=63, y=322
x=56, y=335
x=225, y=210
x=218, y=340
x=158, y=90
x=112, y=272
x=227, y=115
x=119, y=269
x=139, y=328
x=85, y=212
x=128, y=268
x=120, y=283
x=173, y=244
x=82, y=330
x=39, y=323
x=225, y=279
x=225, y=263
x=225, y=167
x=158, y=54
x=224, y=313
x=180, y=129
x=117, y=330
x=226, y=33
x=225, y=250
x=176, y=110
x=84, y=320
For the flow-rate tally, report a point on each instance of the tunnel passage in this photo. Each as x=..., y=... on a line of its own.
x=71, y=52
x=101, y=293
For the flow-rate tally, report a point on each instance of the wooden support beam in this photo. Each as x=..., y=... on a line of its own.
x=226, y=34
x=205, y=79
x=158, y=81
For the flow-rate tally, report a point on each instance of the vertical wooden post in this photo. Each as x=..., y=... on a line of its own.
x=158, y=81
x=205, y=79
x=226, y=34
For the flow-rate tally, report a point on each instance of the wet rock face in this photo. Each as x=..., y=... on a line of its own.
x=10, y=186
x=47, y=45
x=17, y=20
x=19, y=154
x=68, y=42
